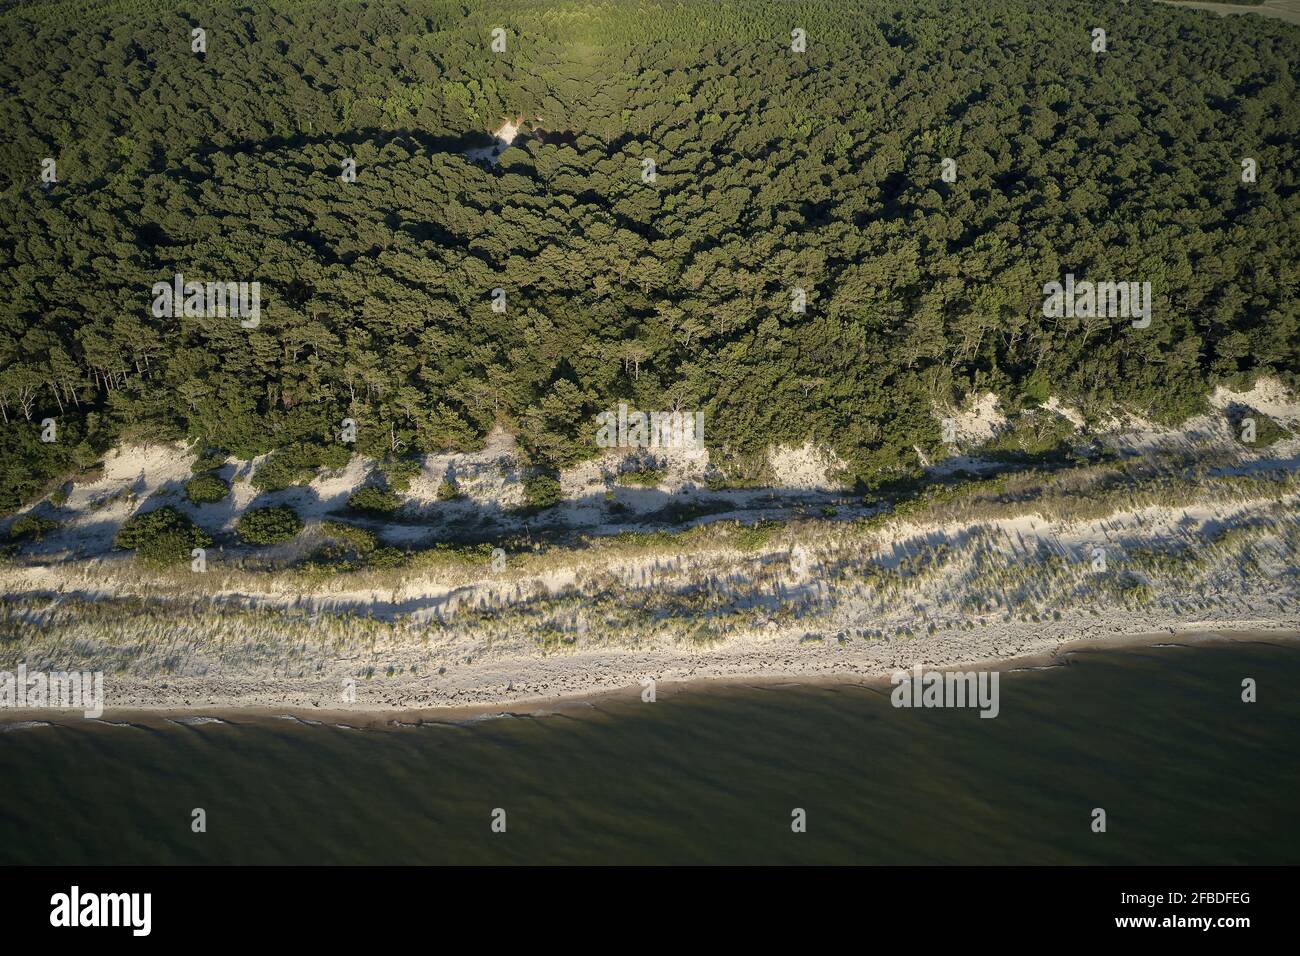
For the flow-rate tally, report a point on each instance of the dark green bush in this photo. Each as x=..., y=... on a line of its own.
x=206, y=489
x=398, y=473
x=268, y=525
x=211, y=459
x=297, y=464
x=542, y=491
x=1267, y=430
x=374, y=500
x=31, y=526
x=162, y=536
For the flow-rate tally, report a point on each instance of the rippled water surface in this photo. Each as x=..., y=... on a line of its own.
x=1157, y=736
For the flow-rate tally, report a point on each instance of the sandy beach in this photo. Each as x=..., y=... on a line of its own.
x=577, y=697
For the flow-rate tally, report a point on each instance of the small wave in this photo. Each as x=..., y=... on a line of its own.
x=114, y=723
x=301, y=720
x=502, y=715
x=194, y=721
x=24, y=725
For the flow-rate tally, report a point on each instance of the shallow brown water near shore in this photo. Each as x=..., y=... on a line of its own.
x=1157, y=735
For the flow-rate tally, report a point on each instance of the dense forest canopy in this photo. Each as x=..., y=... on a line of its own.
x=775, y=170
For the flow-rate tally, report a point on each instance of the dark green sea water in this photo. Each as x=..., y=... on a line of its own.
x=1157, y=736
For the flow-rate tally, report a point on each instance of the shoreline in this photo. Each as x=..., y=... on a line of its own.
x=985, y=575
x=408, y=716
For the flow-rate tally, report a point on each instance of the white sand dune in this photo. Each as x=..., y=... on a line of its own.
x=1206, y=543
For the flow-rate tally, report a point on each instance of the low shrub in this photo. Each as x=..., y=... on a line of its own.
x=374, y=500
x=210, y=460
x=31, y=527
x=542, y=491
x=297, y=464
x=268, y=525
x=358, y=539
x=645, y=478
x=398, y=473
x=162, y=536
x=206, y=489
